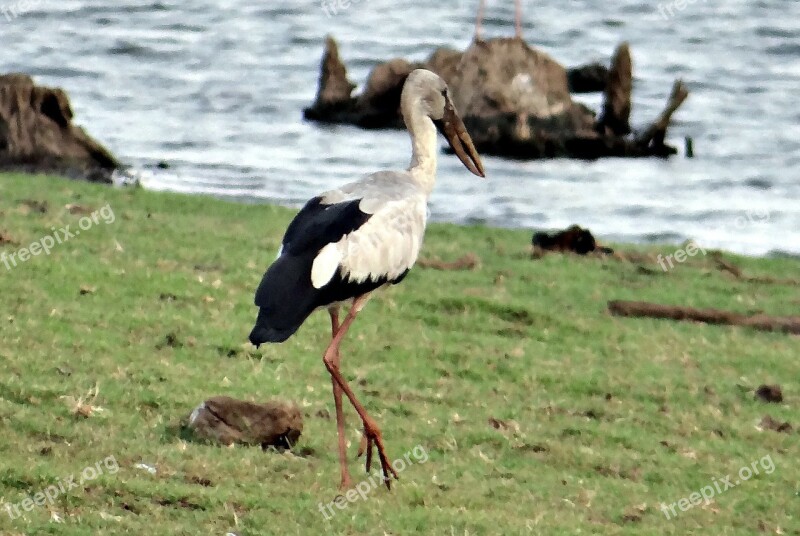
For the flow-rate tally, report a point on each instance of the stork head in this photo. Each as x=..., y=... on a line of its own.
x=432, y=94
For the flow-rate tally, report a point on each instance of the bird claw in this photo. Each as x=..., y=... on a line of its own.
x=372, y=438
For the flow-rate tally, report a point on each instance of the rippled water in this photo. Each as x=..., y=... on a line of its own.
x=216, y=89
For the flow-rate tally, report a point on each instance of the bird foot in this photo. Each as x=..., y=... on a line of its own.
x=372, y=438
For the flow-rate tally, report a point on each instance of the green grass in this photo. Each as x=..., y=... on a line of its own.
x=601, y=418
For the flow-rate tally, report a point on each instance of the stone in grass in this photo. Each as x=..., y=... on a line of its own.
x=225, y=420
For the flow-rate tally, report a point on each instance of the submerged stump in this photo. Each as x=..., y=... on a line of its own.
x=515, y=101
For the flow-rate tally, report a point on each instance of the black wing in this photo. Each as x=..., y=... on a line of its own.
x=286, y=296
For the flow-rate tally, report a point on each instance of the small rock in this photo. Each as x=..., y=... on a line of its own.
x=226, y=420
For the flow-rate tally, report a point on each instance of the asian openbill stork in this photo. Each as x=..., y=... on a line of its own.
x=517, y=19
x=348, y=242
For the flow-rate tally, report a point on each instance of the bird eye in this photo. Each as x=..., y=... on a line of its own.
x=444, y=92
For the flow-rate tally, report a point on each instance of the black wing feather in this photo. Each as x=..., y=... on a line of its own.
x=286, y=296
x=318, y=225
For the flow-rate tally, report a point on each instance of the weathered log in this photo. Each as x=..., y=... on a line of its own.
x=638, y=309
x=37, y=134
x=655, y=135
x=769, y=393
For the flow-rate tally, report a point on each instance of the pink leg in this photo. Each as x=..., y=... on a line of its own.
x=478, y=20
x=518, y=19
x=347, y=482
x=371, y=430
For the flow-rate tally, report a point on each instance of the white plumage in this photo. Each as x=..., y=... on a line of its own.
x=388, y=244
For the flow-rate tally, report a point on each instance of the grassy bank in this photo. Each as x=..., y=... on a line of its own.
x=538, y=413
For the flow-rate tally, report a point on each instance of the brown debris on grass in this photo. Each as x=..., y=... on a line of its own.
x=6, y=238
x=574, y=239
x=769, y=393
x=634, y=514
x=504, y=425
x=762, y=322
x=33, y=205
x=73, y=208
x=83, y=406
x=470, y=261
x=171, y=340
x=615, y=471
x=727, y=266
x=768, y=423
x=86, y=289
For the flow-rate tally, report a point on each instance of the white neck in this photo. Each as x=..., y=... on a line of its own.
x=423, y=146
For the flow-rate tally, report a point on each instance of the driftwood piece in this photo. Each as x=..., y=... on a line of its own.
x=615, y=119
x=470, y=261
x=655, y=135
x=638, y=309
x=727, y=266
x=226, y=420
